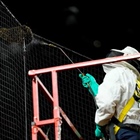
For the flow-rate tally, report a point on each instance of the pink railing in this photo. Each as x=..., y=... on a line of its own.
x=56, y=120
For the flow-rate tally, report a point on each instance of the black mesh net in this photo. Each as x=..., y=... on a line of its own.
x=21, y=51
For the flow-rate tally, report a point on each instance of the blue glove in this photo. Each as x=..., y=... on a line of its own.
x=98, y=131
x=88, y=81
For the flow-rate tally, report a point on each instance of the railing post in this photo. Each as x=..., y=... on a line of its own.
x=56, y=111
x=35, y=108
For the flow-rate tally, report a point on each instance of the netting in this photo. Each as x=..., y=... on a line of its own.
x=20, y=51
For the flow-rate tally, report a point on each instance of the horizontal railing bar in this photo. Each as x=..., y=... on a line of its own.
x=83, y=64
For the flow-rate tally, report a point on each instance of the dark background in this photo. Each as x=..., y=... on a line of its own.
x=91, y=28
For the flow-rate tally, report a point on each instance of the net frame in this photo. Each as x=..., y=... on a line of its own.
x=56, y=120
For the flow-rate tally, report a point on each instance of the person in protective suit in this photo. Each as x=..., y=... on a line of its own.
x=120, y=84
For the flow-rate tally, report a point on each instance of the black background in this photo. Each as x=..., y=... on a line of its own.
x=92, y=30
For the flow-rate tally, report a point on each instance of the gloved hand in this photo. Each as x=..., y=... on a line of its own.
x=88, y=81
x=98, y=131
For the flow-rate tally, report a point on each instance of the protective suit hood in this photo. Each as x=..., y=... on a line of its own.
x=126, y=51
